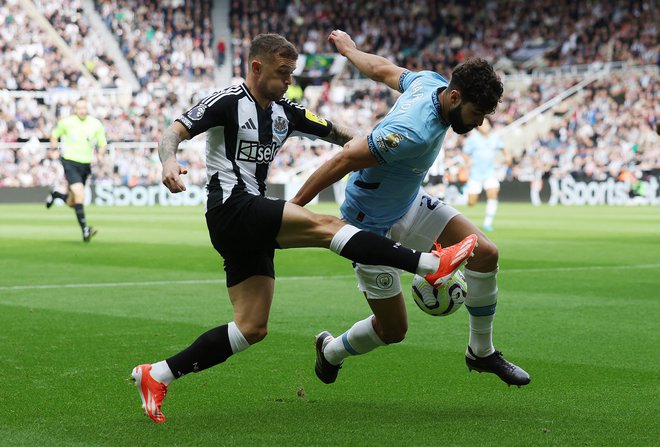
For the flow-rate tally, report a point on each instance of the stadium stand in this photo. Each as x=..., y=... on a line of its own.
x=165, y=41
x=605, y=129
x=67, y=18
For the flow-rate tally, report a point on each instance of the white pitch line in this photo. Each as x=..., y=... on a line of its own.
x=303, y=278
x=583, y=268
x=160, y=283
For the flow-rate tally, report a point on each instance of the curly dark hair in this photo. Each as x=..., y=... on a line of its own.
x=267, y=45
x=477, y=83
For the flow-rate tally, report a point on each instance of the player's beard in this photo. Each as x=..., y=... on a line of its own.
x=456, y=121
x=275, y=96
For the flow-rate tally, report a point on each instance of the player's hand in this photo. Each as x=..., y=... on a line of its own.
x=171, y=175
x=342, y=41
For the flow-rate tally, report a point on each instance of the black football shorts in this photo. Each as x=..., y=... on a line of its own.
x=76, y=172
x=244, y=231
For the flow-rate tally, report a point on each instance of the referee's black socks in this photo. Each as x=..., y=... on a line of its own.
x=80, y=214
x=59, y=195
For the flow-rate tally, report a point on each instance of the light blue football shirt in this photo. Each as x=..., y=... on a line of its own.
x=482, y=151
x=405, y=143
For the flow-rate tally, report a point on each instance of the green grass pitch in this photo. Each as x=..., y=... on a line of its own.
x=579, y=309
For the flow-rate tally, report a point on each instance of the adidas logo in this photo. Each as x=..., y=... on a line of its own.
x=249, y=124
x=462, y=251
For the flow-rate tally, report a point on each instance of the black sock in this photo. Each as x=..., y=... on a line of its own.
x=369, y=248
x=210, y=349
x=59, y=195
x=80, y=214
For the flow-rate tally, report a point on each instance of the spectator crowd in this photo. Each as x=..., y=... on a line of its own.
x=604, y=131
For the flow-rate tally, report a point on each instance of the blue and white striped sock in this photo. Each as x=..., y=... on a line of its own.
x=481, y=302
x=359, y=339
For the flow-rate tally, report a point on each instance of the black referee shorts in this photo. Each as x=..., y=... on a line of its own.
x=76, y=172
x=244, y=231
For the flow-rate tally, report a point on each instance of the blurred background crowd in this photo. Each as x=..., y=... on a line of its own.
x=582, y=84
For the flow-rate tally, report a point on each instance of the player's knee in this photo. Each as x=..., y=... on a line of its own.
x=327, y=226
x=254, y=333
x=394, y=334
x=486, y=254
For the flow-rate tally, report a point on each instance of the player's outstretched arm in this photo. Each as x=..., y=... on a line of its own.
x=167, y=148
x=340, y=135
x=356, y=155
x=375, y=67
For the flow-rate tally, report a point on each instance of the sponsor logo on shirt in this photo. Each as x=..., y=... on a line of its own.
x=252, y=151
x=317, y=119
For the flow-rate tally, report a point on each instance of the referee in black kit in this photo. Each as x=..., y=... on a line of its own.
x=245, y=126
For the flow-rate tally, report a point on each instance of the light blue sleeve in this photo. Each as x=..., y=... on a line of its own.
x=393, y=141
x=408, y=77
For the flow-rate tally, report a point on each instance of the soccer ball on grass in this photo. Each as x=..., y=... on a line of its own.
x=440, y=301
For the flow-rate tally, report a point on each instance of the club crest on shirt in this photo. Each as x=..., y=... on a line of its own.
x=197, y=112
x=393, y=140
x=280, y=125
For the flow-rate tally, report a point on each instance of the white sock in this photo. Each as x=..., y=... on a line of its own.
x=359, y=339
x=481, y=302
x=162, y=373
x=236, y=340
x=428, y=263
x=491, y=210
x=341, y=237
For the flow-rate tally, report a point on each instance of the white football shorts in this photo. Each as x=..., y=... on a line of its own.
x=418, y=229
x=474, y=187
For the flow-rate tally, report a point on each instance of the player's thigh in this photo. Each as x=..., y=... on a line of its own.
x=426, y=219
x=303, y=228
x=78, y=192
x=252, y=299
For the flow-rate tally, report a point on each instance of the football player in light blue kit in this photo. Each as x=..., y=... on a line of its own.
x=384, y=195
x=482, y=148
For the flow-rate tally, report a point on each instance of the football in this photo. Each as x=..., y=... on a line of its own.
x=441, y=301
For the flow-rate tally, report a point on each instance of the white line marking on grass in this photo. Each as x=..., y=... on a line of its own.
x=160, y=283
x=303, y=278
x=583, y=268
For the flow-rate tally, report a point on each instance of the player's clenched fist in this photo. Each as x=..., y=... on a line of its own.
x=171, y=175
x=342, y=41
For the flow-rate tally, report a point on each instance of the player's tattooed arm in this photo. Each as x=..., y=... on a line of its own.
x=341, y=135
x=169, y=143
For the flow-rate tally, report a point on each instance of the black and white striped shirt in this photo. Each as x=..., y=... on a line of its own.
x=242, y=139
